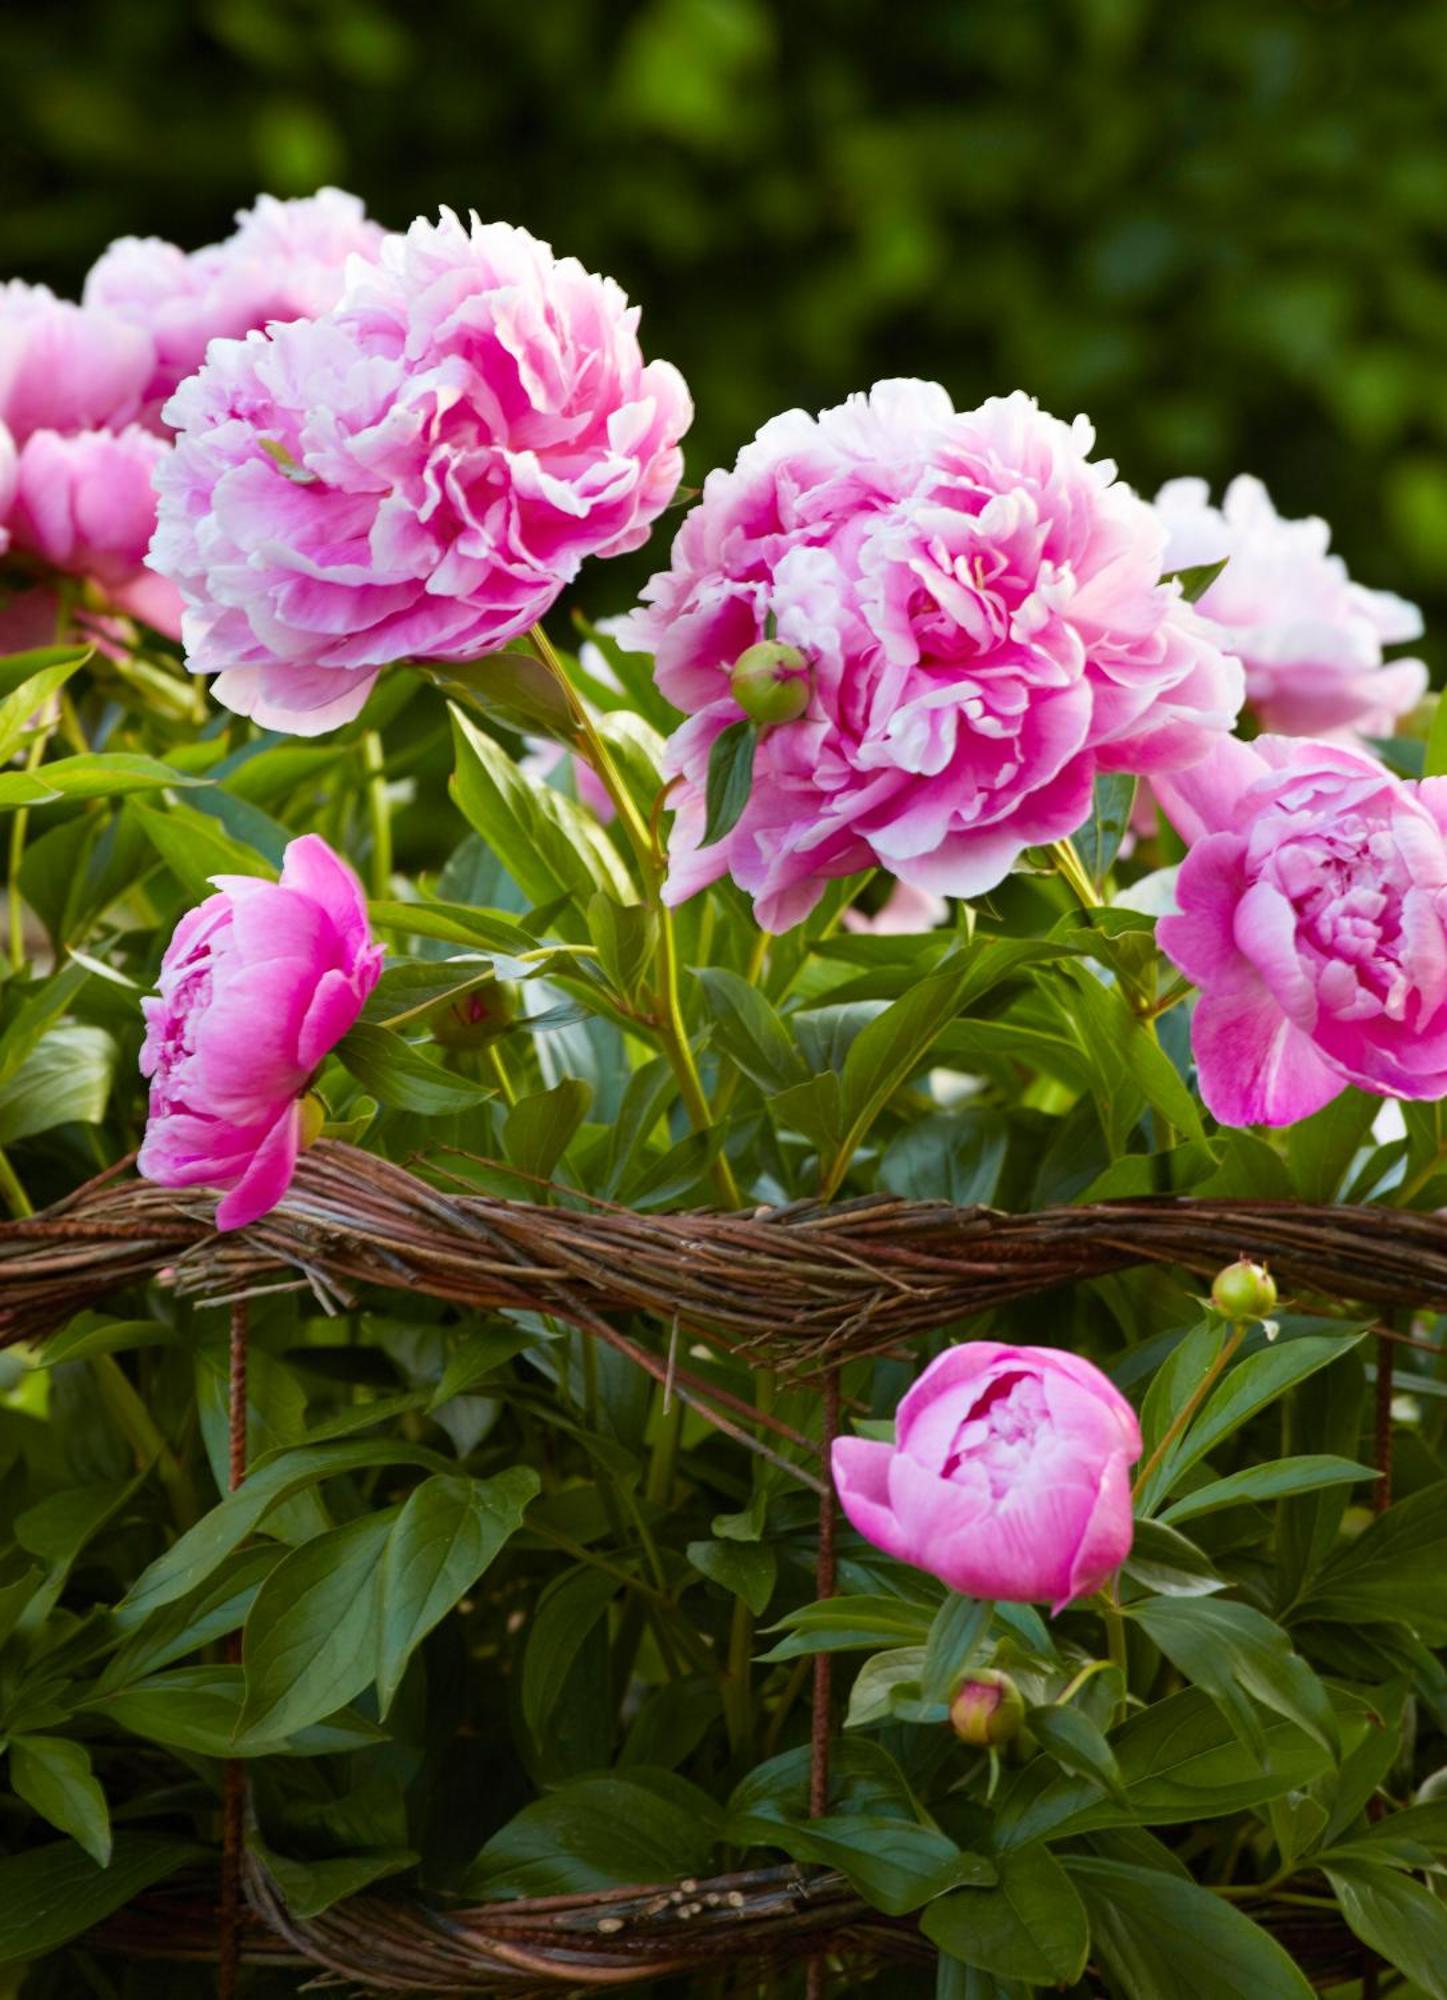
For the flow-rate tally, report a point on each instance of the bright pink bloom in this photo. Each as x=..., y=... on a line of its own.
x=417, y=474
x=1312, y=907
x=1009, y=1475
x=85, y=504
x=258, y=985
x=979, y=606
x=9, y=480
x=1311, y=640
x=66, y=367
x=285, y=260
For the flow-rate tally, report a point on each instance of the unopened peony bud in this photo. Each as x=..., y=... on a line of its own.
x=474, y=1017
x=1244, y=1290
x=770, y=682
x=987, y=1709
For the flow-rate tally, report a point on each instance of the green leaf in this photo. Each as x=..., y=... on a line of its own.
x=1196, y=579
x=54, y=1777
x=515, y=687
x=66, y=1080
x=454, y=923
x=392, y=1069
x=1321, y=1148
x=730, y=779
x=198, y=1710
x=1234, y=1652
x=270, y=1482
x=955, y=1156
x=41, y=1008
x=896, y=1864
x=1434, y=763
x=1165, y=1938
x=539, y=1129
x=1249, y=1387
x=565, y=1615
x=444, y=1538
x=626, y=935
x=1030, y=1926
x=310, y=1887
x=1397, y=1917
x=1284, y=1476
x=749, y=1031
x=1395, y=1570
x=1126, y=1058
x=600, y=1833
x=1098, y=841
x=92, y=776
x=851, y=1625
x=1163, y=1559
x=311, y=1641
x=219, y=1606
x=196, y=847
x=19, y=706
x=51, y=1894
x=748, y=1569
x=548, y=844
x=959, y=1627
x=1078, y=1745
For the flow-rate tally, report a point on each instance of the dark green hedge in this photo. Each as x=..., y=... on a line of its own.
x=1219, y=228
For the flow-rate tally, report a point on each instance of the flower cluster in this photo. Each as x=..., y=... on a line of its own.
x=979, y=607
x=81, y=388
x=417, y=473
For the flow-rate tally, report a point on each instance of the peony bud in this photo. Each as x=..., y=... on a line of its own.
x=1244, y=1290
x=475, y=1017
x=987, y=1709
x=770, y=682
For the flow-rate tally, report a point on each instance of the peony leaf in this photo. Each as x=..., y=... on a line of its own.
x=730, y=779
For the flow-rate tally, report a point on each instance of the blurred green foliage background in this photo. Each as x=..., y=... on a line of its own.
x=1219, y=228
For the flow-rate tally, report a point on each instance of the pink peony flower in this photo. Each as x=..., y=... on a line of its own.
x=9, y=480
x=66, y=367
x=85, y=504
x=286, y=260
x=257, y=985
x=979, y=608
x=1311, y=639
x=417, y=474
x=1312, y=906
x=1009, y=1476
x=903, y=912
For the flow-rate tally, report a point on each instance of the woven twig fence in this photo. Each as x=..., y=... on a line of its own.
x=802, y=1288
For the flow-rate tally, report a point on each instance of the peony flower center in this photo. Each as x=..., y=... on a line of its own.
x=1001, y=1434
x=1348, y=885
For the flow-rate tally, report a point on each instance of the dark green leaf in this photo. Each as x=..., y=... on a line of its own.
x=1031, y=1925
x=1239, y=1657
x=1197, y=579
x=1163, y=1938
x=54, y=1777
x=51, y=1894
x=400, y=1074
x=730, y=779
x=600, y=1833
x=1397, y=1917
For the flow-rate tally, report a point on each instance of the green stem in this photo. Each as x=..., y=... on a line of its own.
x=1071, y=871
x=16, y=1199
x=1067, y=1693
x=671, y=1027
x=19, y=827
x=1189, y=1408
x=379, y=813
x=497, y=1069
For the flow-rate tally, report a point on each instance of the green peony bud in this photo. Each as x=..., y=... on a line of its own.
x=987, y=1709
x=1244, y=1290
x=474, y=1018
x=770, y=682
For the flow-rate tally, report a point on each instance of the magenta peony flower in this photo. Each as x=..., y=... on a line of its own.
x=1311, y=639
x=258, y=985
x=1312, y=907
x=1009, y=1476
x=85, y=504
x=417, y=474
x=65, y=367
x=286, y=260
x=978, y=607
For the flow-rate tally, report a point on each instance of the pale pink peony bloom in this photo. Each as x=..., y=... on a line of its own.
x=66, y=367
x=417, y=474
x=258, y=985
x=9, y=480
x=903, y=912
x=1311, y=640
x=1312, y=907
x=1008, y=1478
x=979, y=607
x=286, y=260
x=85, y=504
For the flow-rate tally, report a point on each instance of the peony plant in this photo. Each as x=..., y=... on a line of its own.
x=810, y=877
